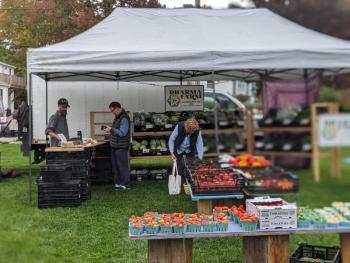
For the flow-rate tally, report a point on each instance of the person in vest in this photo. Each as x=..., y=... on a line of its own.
x=120, y=142
x=58, y=123
x=186, y=140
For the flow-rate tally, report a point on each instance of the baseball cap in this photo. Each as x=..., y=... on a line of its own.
x=63, y=102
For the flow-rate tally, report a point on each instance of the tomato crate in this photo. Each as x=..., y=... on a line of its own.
x=271, y=182
x=211, y=180
x=311, y=253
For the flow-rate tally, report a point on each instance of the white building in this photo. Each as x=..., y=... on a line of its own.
x=8, y=83
x=6, y=96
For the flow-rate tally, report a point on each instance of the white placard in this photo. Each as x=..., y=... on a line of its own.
x=184, y=98
x=334, y=130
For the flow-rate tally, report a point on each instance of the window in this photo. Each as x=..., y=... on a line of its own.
x=224, y=102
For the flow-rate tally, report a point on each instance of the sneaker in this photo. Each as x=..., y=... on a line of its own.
x=124, y=187
x=117, y=187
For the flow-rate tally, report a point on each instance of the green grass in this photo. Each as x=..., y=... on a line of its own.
x=97, y=231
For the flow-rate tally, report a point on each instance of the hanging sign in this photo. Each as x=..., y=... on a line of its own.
x=184, y=98
x=334, y=130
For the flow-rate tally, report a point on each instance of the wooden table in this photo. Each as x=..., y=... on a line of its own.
x=261, y=246
x=73, y=149
x=206, y=203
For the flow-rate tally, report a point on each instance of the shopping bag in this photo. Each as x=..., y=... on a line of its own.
x=174, y=183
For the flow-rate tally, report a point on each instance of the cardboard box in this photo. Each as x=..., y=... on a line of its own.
x=272, y=216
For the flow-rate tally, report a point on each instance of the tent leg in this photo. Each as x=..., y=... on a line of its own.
x=215, y=114
x=30, y=134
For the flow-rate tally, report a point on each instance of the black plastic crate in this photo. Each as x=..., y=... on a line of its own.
x=68, y=155
x=101, y=177
x=85, y=190
x=305, y=253
x=103, y=164
x=80, y=168
x=139, y=175
x=56, y=205
x=66, y=185
x=55, y=173
x=159, y=174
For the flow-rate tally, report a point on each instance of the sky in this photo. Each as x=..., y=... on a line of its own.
x=212, y=3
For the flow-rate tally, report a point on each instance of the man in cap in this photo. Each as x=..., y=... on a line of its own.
x=58, y=123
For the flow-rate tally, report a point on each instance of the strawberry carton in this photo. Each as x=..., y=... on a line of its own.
x=272, y=213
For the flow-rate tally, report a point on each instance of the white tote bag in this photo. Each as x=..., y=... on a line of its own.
x=174, y=183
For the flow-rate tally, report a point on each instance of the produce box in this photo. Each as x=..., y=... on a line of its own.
x=272, y=213
x=206, y=180
x=269, y=182
x=320, y=254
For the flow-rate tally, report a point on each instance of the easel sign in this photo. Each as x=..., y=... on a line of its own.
x=184, y=98
x=334, y=130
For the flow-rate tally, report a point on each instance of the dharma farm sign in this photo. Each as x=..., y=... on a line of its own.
x=334, y=130
x=184, y=98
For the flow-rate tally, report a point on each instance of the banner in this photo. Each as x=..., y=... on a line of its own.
x=334, y=130
x=184, y=98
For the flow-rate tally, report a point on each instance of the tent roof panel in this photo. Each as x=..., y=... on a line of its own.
x=192, y=39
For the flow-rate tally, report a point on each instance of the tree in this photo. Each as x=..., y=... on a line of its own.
x=329, y=17
x=37, y=23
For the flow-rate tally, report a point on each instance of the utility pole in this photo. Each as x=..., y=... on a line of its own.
x=198, y=4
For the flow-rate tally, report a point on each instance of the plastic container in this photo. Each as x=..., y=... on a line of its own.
x=305, y=252
x=333, y=225
x=179, y=229
x=320, y=224
x=248, y=226
x=152, y=229
x=136, y=230
x=209, y=227
x=303, y=224
x=194, y=228
x=221, y=227
x=165, y=229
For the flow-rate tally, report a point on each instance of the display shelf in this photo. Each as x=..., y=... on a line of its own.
x=151, y=133
x=150, y=157
x=285, y=154
x=204, y=132
x=278, y=129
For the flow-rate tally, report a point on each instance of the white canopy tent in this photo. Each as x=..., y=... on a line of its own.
x=173, y=44
x=188, y=44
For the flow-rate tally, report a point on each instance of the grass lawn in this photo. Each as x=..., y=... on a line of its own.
x=98, y=230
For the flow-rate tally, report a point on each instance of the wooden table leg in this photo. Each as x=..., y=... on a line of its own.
x=266, y=249
x=205, y=207
x=345, y=247
x=170, y=251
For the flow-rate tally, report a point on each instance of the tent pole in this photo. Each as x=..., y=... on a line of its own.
x=215, y=114
x=30, y=135
x=306, y=79
x=46, y=105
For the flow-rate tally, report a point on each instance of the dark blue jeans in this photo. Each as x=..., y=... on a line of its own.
x=120, y=166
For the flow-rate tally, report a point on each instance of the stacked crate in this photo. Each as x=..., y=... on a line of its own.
x=101, y=166
x=65, y=181
x=80, y=171
x=57, y=189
